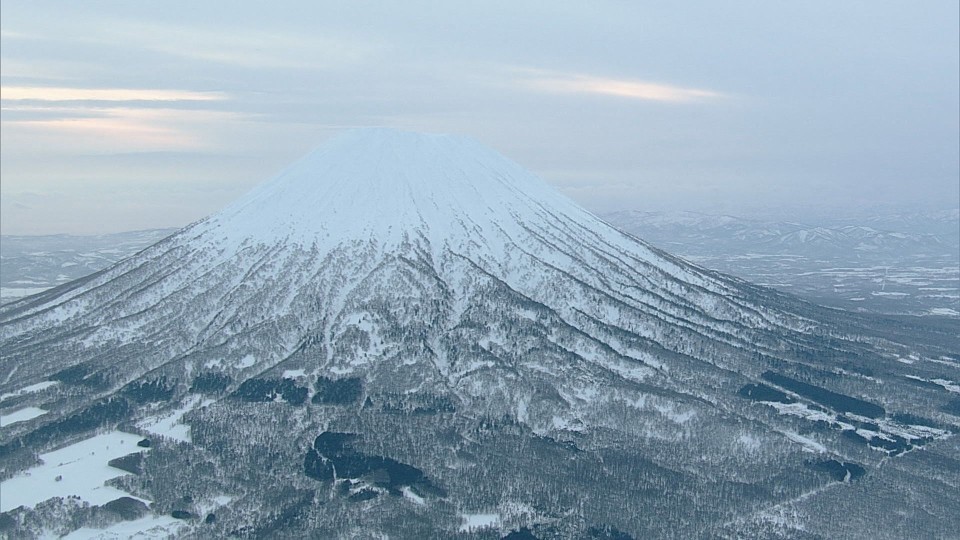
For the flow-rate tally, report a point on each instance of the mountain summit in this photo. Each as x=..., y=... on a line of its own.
x=414, y=324
x=393, y=185
x=391, y=188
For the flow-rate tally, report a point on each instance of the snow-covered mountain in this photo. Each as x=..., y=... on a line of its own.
x=413, y=323
x=426, y=225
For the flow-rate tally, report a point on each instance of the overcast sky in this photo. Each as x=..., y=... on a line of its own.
x=129, y=115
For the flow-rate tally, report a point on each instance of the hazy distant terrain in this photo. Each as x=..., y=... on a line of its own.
x=901, y=263
x=31, y=264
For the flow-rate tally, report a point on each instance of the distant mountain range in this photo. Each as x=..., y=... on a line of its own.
x=903, y=263
x=936, y=235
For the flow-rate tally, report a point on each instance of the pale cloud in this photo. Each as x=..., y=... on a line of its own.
x=121, y=128
x=39, y=116
x=615, y=94
x=7, y=34
x=579, y=83
x=52, y=93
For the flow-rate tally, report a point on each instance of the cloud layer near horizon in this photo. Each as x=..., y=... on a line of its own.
x=135, y=115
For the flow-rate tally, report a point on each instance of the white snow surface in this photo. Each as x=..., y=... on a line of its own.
x=170, y=424
x=145, y=527
x=82, y=469
x=21, y=415
x=809, y=445
x=246, y=362
x=42, y=385
x=387, y=184
x=410, y=495
x=9, y=293
x=950, y=386
x=472, y=522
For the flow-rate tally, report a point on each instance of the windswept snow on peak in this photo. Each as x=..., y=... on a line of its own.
x=391, y=186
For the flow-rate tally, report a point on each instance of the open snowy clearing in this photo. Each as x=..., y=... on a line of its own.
x=79, y=469
x=472, y=522
x=21, y=415
x=29, y=389
x=146, y=527
x=809, y=445
x=410, y=495
x=170, y=424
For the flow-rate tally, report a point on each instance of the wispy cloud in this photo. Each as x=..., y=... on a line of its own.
x=53, y=93
x=7, y=34
x=121, y=128
x=100, y=119
x=581, y=83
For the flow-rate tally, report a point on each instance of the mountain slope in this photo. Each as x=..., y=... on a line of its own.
x=397, y=313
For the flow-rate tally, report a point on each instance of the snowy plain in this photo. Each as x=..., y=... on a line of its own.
x=79, y=469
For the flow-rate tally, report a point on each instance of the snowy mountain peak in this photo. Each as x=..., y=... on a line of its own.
x=387, y=185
